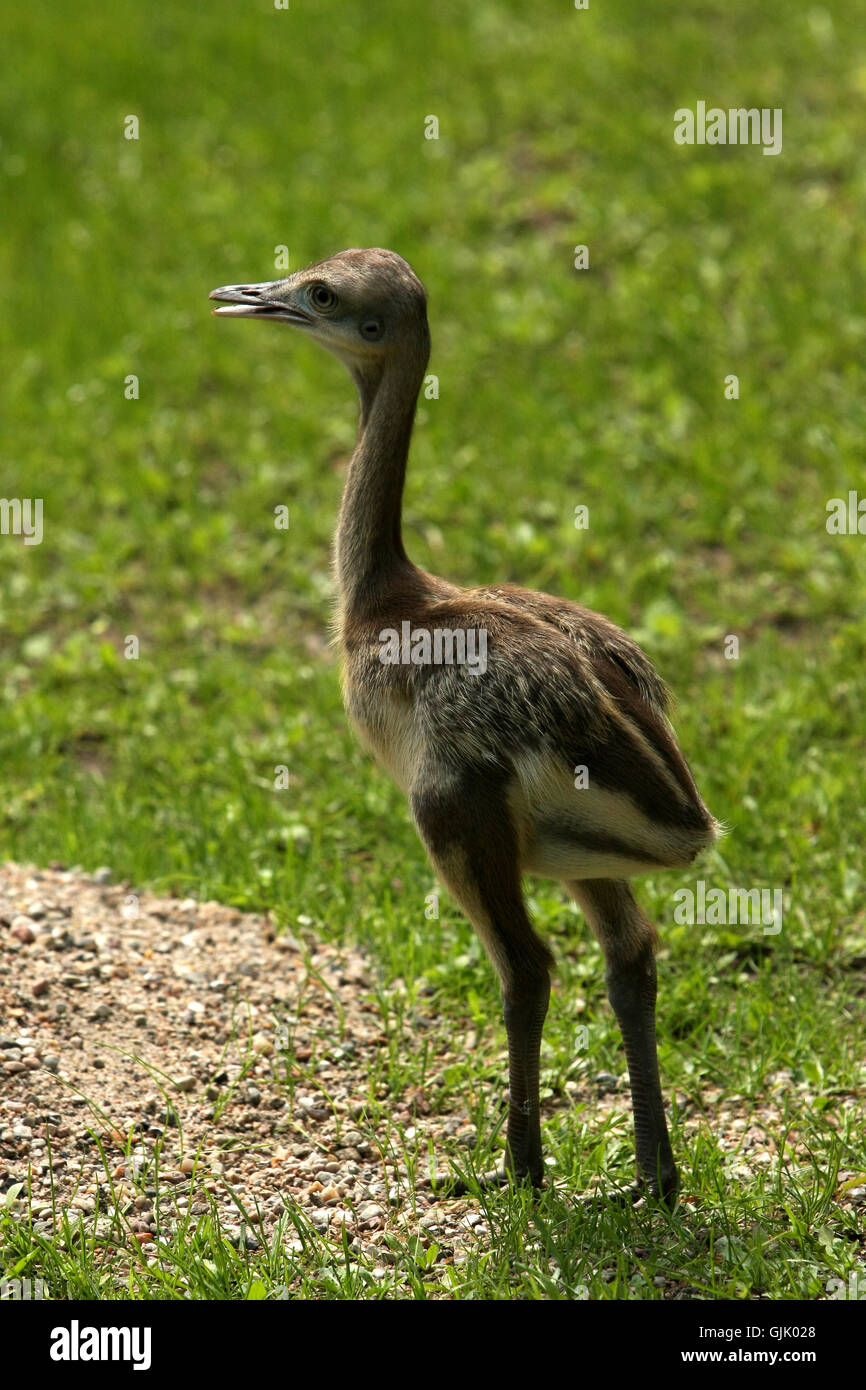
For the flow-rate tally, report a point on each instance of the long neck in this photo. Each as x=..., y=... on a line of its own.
x=369, y=546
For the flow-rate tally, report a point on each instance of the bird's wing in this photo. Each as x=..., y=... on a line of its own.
x=594, y=635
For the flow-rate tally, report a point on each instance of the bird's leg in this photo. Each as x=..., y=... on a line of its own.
x=525, y=1011
x=467, y=830
x=628, y=939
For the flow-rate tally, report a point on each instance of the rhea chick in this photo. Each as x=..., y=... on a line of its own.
x=486, y=749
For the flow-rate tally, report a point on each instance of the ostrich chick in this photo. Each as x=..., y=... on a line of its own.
x=486, y=749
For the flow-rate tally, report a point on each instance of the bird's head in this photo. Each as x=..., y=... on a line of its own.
x=363, y=305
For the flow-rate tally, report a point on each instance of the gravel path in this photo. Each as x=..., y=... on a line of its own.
x=114, y=1005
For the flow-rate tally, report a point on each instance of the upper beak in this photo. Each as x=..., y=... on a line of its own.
x=265, y=301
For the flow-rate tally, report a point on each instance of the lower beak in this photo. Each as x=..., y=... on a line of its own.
x=265, y=301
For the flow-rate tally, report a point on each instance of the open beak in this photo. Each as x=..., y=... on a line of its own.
x=265, y=301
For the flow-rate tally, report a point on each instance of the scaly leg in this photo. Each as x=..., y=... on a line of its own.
x=628, y=939
x=466, y=827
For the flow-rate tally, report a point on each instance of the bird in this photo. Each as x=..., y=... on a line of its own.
x=530, y=735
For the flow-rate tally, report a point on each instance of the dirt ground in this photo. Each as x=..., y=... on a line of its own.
x=170, y=1048
x=169, y=1053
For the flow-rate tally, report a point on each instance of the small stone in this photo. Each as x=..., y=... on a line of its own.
x=39, y=987
x=606, y=1082
x=102, y=1011
x=330, y=1195
x=186, y=1083
x=187, y=1165
x=50, y=1062
x=103, y=875
x=22, y=929
x=371, y=1211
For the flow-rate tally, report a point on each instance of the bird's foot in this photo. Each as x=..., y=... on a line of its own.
x=629, y=1197
x=471, y=1186
x=601, y=1201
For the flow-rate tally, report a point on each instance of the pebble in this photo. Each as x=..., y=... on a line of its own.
x=606, y=1082
x=186, y=1083
x=370, y=1211
x=22, y=929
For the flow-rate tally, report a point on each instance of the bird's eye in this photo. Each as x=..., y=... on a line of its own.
x=322, y=297
x=371, y=329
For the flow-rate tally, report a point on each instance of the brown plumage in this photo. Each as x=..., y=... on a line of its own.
x=486, y=747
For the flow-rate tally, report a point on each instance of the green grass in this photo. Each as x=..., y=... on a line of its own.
x=557, y=387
